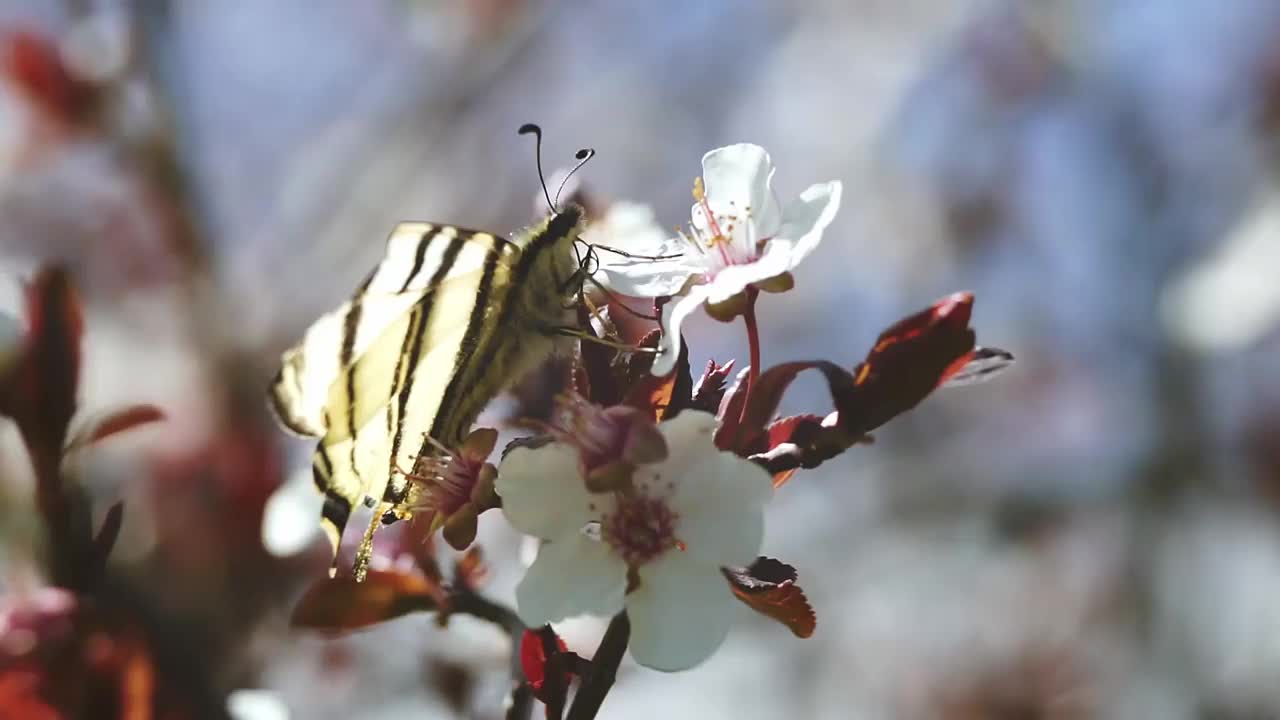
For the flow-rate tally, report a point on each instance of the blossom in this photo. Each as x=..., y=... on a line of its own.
x=741, y=237
x=651, y=262
x=450, y=491
x=654, y=547
x=611, y=441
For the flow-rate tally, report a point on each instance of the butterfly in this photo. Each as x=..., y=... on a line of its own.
x=449, y=318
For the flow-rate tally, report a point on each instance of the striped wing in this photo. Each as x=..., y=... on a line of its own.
x=368, y=378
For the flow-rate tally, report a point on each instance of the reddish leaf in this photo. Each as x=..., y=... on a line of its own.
x=106, y=538
x=43, y=394
x=597, y=360
x=710, y=389
x=730, y=411
x=666, y=396
x=337, y=604
x=470, y=570
x=682, y=391
x=533, y=657
x=33, y=65
x=802, y=441
x=980, y=365
x=909, y=360
x=768, y=587
x=117, y=422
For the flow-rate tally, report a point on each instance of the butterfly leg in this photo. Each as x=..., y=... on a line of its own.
x=365, y=551
x=573, y=332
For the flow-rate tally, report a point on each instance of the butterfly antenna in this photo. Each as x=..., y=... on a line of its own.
x=582, y=156
x=527, y=129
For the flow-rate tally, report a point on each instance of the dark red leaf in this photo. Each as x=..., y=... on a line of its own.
x=470, y=570
x=802, y=441
x=711, y=387
x=119, y=421
x=909, y=361
x=597, y=361
x=747, y=436
x=342, y=603
x=665, y=396
x=533, y=656
x=980, y=365
x=34, y=66
x=43, y=396
x=682, y=389
x=768, y=587
x=107, y=535
x=635, y=367
x=730, y=411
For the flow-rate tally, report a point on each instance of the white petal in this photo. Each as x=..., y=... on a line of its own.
x=738, y=181
x=631, y=228
x=573, y=575
x=719, y=496
x=805, y=219
x=245, y=704
x=673, y=317
x=646, y=277
x=543, y=494
x=289, y=517
x=775, y=260
x=680, y=613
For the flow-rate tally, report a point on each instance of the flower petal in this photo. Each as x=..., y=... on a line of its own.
x=680, y=613
x=719, y=496
x=631, y=228
x=542, y=492
x=673, y=317
x=805, y=219
x=774, y=261
x=573, y=575
x=738, y=182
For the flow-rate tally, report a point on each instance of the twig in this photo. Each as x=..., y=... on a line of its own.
x=466, y=601
x=753, y=347
x=604, y=669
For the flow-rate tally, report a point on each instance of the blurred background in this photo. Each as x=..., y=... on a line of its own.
x=1095, y=534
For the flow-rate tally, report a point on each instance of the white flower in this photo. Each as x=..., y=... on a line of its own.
x=678, y=523
x=632, y=229
x=740, y=237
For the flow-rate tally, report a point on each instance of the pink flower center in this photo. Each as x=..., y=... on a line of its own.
x=718, y=237
x=601, y=435
x=640, y=528
x=447, y=482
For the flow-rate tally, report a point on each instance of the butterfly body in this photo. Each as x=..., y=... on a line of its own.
x=448, y=320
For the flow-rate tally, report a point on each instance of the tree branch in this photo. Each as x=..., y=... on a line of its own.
x=466, y=601
x=604, y=669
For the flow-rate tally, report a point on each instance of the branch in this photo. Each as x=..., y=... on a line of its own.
x=604, y=669
x=466, y=601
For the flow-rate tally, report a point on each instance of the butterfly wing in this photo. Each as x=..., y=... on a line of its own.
x=366, y=378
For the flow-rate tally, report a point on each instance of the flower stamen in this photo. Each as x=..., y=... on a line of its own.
x=640, y=529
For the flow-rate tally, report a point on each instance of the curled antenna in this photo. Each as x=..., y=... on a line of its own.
x=527, y=129
x=582, y=156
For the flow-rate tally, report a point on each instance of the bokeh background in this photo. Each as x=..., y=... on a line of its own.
x=1094, y=534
